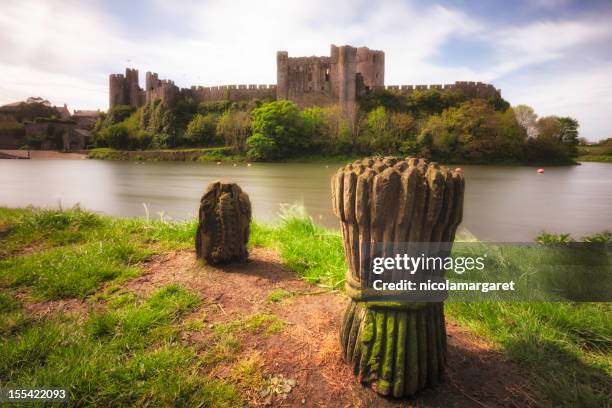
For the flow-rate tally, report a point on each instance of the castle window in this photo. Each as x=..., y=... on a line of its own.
x=310, y=76
x=327, y=75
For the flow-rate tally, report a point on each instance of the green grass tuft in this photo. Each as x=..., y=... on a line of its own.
x=314, y=252
x=129, y=352
x=72, y=271
x=114, y=358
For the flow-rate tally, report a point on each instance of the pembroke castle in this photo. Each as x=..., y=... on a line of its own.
x=338, y=79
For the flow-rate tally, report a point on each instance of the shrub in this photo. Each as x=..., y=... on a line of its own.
x=201, y=131
x=116, y=136
x=260, y=147
x=473, y=132
x=233, y=128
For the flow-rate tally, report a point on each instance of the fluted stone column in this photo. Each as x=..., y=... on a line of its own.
x=399, y=347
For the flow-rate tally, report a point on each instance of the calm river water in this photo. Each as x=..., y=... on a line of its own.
x=501, y=203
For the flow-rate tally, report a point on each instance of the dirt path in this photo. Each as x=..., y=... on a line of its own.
x=307, y=348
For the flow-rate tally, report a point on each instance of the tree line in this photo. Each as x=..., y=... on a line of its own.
x=440, y=125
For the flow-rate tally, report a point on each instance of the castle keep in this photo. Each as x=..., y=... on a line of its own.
x=338, y=79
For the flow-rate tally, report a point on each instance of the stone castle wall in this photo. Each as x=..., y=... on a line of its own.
x=323, y=80
x=305, y=80
x=338, y=79
x=469, y=89
x=230, y=92
x=371, y=65
x=124, y=90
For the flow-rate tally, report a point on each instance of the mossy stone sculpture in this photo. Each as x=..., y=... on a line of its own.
x=397, y=347
x=224, y=222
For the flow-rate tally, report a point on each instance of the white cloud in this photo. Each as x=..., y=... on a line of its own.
x=583, y=94
x=64, y=50
x=541, y=65
x=544, y=41
x=548, y=4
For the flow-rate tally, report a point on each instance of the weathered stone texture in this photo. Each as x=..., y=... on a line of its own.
x=224, y=224
x=397, y=347
x=338, y=79
x=329, y=80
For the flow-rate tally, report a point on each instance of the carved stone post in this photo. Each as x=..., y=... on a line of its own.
x=224, y=224
x=399, y=347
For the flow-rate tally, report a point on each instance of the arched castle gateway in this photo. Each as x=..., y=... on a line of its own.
x=339, y=79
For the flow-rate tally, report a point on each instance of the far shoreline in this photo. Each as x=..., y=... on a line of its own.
x=224, y=155
x=214, y=155
x=42, y=154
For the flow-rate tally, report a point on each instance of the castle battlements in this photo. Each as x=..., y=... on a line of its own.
x=338, y=79
x=125, y=90
x=469, y=89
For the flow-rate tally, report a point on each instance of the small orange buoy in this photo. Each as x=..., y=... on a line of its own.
x=458, y=170
x=540, y=171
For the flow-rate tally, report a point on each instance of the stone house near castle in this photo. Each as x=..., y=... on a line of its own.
x=57, y=129
x=338, y=79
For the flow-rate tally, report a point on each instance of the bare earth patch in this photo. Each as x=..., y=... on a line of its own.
x=307, y=348
x=67, y=306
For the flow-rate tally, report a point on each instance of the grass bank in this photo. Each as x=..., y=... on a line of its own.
x=595, y=153
x=225, y=154
x=126, y=348
x=595, y=158
x=211, y=154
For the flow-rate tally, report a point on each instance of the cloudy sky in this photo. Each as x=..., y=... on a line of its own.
x=555, y=55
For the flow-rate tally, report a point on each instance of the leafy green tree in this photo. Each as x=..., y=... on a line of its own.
x=168, y=124
x=219, y=107
x=473, y=132
x=260, y=147
x=420, y=103
x=423, y=103
x=549, y=127
x=201, y=131
x=118, y=114
x=116, y=136
x=234, y=128
x=404, y=129
x=316, y=129
x=546, y=150
x=379, y=136
x=30, y=111
x=439, y=137
x=558, y=130
x=527, y=118
x=498, y=103
x=391, y=100
x=568, y=134
x=279, y=121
